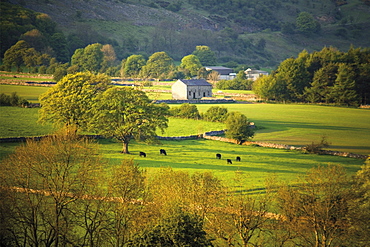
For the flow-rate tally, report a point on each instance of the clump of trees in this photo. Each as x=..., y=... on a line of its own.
x=327, y=76
x=12, y=100
x=56, y=191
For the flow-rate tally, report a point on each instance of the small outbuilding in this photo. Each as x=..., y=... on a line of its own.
x=224, y=72
x=191, y=89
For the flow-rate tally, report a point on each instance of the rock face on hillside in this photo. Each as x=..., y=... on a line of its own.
x=66, y=12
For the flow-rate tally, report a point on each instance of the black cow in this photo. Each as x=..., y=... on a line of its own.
x=237, y=158
x=162, y=151
x=229, y=161
x=142, y=154
x=218, y=156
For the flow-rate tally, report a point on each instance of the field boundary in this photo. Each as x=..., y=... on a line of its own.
x=210, y=135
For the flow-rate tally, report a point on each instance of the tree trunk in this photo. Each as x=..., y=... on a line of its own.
x=125, y=147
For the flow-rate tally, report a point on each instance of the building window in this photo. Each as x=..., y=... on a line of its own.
x=204, y=94
x=189, y=93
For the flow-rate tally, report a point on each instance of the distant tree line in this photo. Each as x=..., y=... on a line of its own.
x=328, y=76
x=12, y=100
x=59, y=192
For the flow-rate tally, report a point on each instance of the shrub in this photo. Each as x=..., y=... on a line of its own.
x=12, y=100
x=215, y=114
x=186, y=110
x=316, y=148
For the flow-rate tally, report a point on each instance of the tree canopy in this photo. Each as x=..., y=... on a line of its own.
x=158, y=65
x=237, y=127
x=127, y=114
x=70, y=101
x=327, y=76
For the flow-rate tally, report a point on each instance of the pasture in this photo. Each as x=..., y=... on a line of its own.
x=256, y=165
x=347, y=129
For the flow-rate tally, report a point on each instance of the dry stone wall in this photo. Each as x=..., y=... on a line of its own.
x=211, y=135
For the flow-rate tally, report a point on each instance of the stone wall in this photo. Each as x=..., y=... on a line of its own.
x=211, y=135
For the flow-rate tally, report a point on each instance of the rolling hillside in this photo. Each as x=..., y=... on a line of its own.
x=247, y=32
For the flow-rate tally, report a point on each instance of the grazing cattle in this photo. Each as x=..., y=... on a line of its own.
x=142, y=154
x=162, y=151
x=237, y=158
x=218, y=156
x=229, y=161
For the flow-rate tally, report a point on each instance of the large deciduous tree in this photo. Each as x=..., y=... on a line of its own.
x=307, y=24
x=205, y=54
x=158, y=65
x=89, y=58
x=132, y=66
x=316, y=211
x=237, y=126
x=70, y=101
x=127, y=114
x=15, y=54
x=191, y=64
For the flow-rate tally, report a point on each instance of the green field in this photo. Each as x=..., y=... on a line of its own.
x=256, y=164
x=199, y=155
x=348, y=129
x=30, y=93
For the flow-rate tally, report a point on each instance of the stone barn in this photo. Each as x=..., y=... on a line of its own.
x=191, y=89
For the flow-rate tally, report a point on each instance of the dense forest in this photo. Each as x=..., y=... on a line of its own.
x=327, y=76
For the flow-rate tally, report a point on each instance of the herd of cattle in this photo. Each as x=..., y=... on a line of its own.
x=218, y=156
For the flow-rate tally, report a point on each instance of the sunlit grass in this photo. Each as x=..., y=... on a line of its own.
x=257, y=163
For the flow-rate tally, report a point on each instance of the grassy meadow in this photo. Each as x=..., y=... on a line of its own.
x=257, y=163
x=346, y=128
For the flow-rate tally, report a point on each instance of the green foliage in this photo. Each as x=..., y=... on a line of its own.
x=215, y=114
x=132, y=66
x=12, y=100
x=179, y=229
x=127, y=114
x=16, y=21
x=327, y=76
x=306, y=23
x=205, y=54
x=237, y=126
x=70, y=101
x=186, y=110
x=89, y=58
x=191, y=64
x=238, y=83
x=158, y=65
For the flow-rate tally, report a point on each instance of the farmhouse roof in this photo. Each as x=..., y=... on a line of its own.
x=220, y=69
x=196, y=82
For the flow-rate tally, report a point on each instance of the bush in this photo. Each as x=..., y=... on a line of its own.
x=215, y=114
x=12, y=100
x=316, y=148
x=186, y=110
